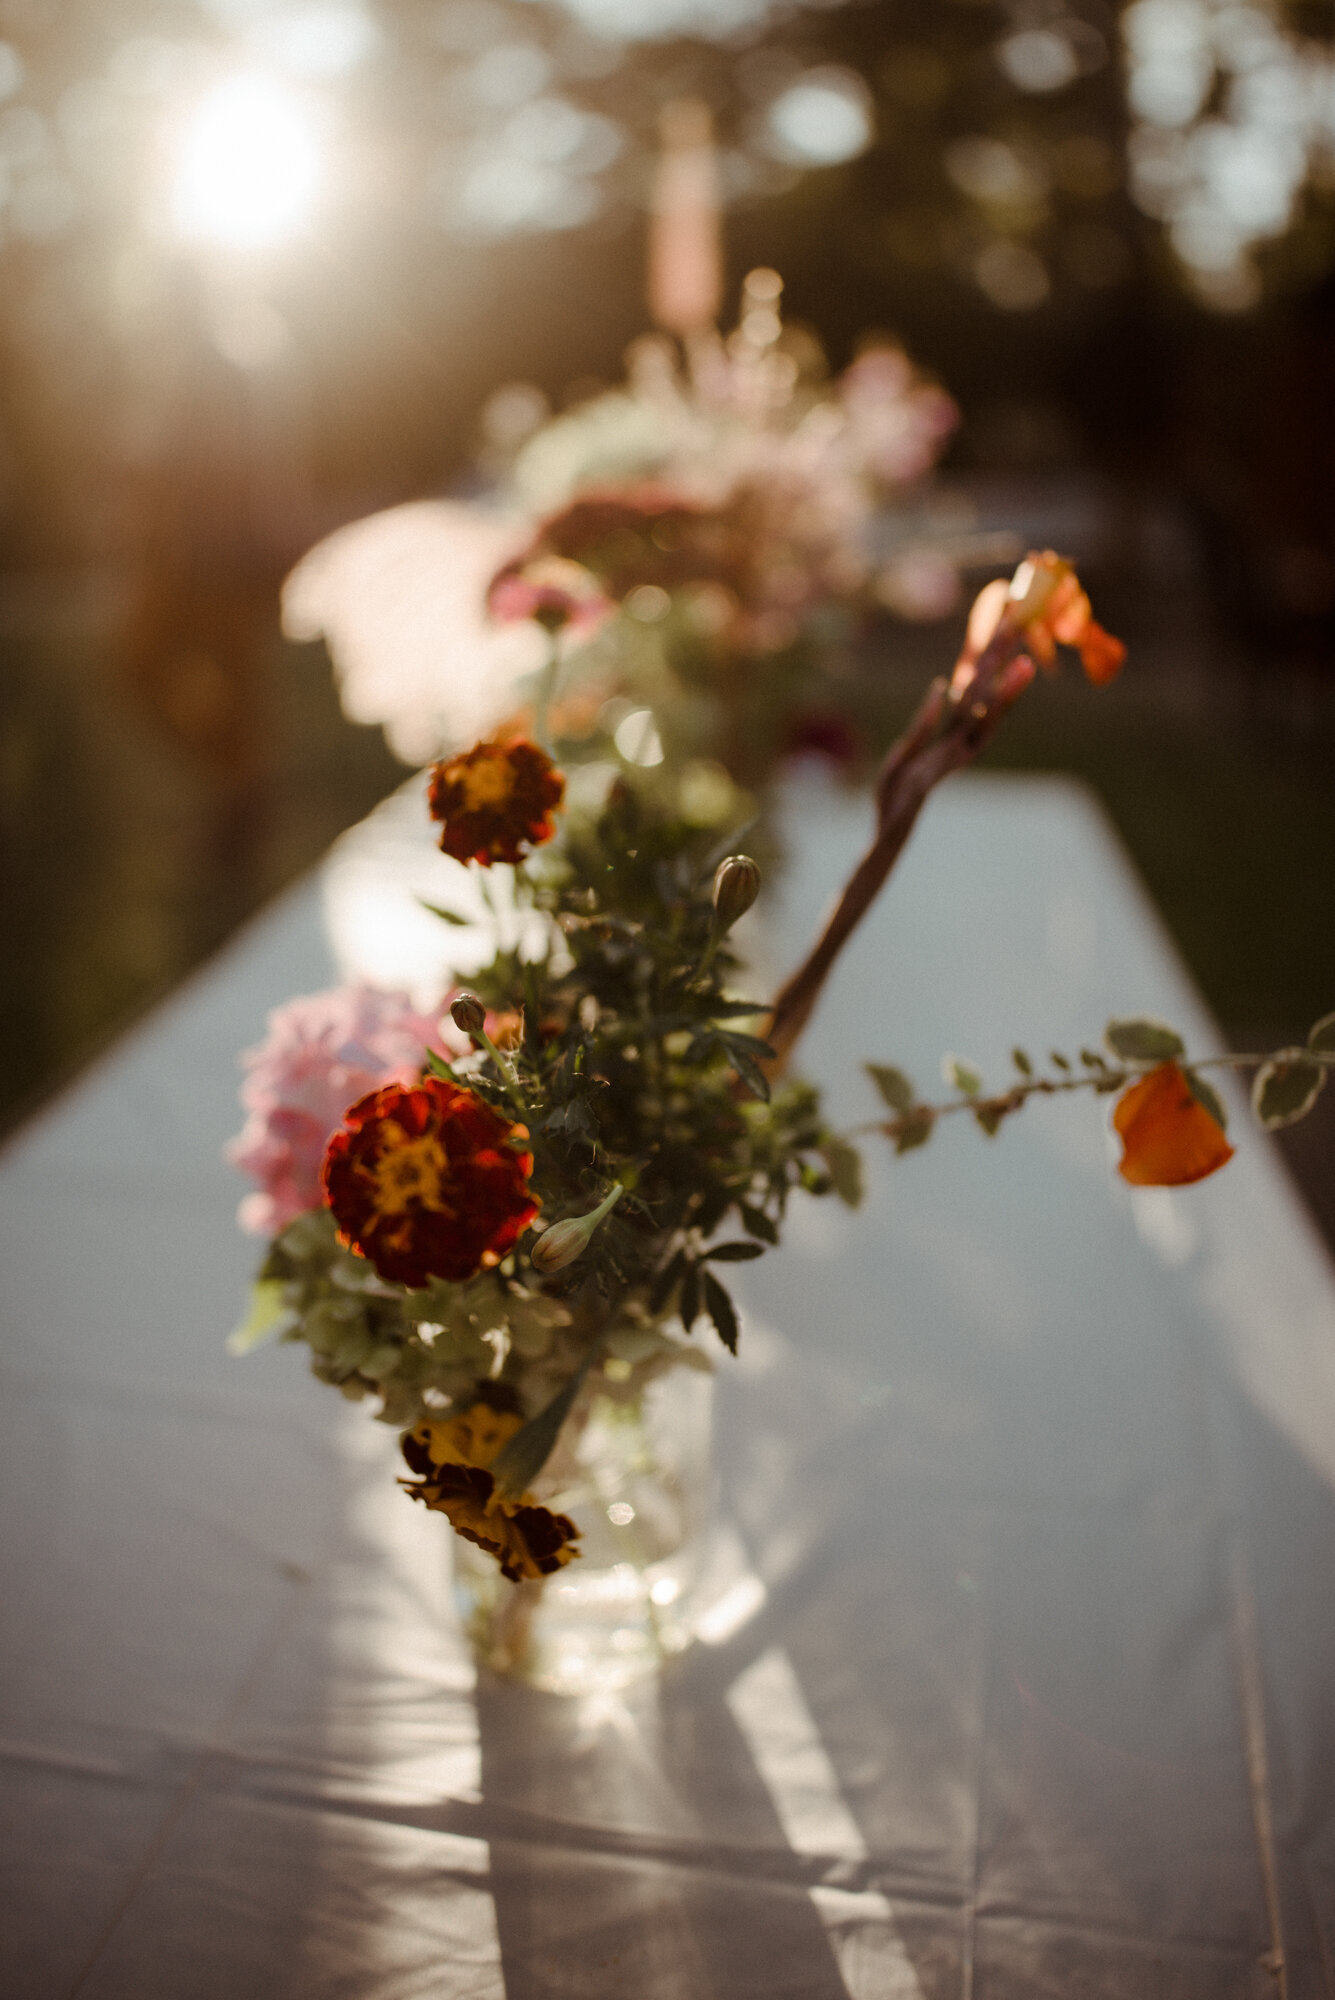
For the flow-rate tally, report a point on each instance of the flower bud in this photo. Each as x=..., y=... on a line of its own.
x=561, y=1244
x=468, y=1014
x=565, y=1241
x=736, y=886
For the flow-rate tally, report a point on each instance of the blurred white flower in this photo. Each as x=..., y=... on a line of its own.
x=400, y=600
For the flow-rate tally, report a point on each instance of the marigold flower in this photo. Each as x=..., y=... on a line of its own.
x=495, y=800
x=1168, y=1137
x=451, y=1456
x=428, y=1182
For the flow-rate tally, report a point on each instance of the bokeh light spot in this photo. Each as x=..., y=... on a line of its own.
x=1038, y=59
x=1013, y=276
x=324, y=38
x=822, y=119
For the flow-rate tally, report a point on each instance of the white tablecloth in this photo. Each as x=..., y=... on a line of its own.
x=1024, y=1684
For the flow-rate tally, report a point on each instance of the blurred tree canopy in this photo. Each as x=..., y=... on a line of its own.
x=1109, y=228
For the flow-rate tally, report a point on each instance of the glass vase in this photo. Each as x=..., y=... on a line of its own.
x=633, y=1471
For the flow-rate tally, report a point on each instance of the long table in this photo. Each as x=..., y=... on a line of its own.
x=1019, y=1680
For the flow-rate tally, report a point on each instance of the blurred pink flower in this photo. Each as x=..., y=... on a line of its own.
x=321, y=1053
x=898, y=421
x=553, y=591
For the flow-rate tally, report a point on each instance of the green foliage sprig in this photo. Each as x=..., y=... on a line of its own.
x=1286, y=1082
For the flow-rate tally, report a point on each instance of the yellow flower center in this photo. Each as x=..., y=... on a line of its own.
x=489, y=781
x=408, y=1170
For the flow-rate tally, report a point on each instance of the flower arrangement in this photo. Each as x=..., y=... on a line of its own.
x=496, y=1219
x=709, y=540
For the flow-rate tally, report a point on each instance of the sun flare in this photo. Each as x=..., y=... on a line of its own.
x=249, y=170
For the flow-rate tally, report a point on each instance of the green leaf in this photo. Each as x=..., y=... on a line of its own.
x=1322, y=1038
x=580, y=1119
x=845, y=1164
x=689, y=1307
x=756, y=1223
x=915, y=1129
x=446, y=916
x=712, y=1208
x=437, y=1064
x=733, y=1253
x=1286, y=1088
x=894, y=1086
x=668, y=1024
x=666, y=1282
x=721, y=1311
x=1207, y=1097
x=1022, y=1062
x=1140, y=1038
x=989, y=1116
x=751, y=1045
x=267, y=1316
x=519, y=1462
x=751, y=1074
x=961, y=1075
x=1058, y=1060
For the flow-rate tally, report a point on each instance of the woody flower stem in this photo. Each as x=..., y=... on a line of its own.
x=956, y=720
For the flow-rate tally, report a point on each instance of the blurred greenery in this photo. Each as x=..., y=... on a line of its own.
x=124, y=866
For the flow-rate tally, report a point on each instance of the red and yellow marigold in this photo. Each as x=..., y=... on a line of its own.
x=428, y=1181
x=495, y=801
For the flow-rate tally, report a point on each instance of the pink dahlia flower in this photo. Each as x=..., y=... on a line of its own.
x=321, y=1053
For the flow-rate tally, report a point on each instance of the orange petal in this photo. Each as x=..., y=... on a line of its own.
x=984, y=617
x=1068, y=614
x=1101, y=655
x=1168, y=1138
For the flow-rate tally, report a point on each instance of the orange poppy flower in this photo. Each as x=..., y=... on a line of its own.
x=495, y=801
x=1168, y=1137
